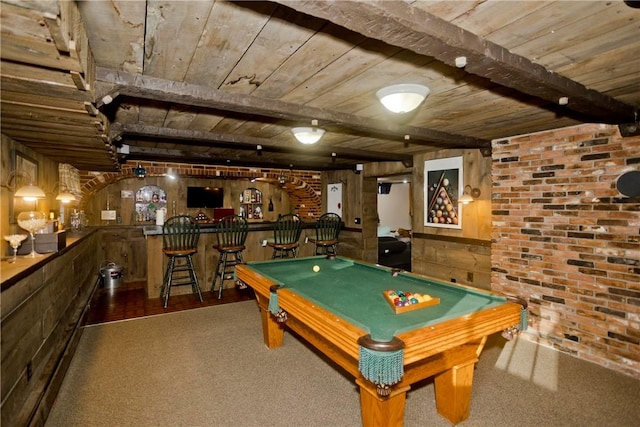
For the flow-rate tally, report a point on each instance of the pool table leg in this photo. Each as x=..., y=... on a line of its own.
x=453, y=392
x=272, y=331
x=377, y=412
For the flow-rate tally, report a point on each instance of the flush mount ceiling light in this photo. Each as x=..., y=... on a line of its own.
x=402, y=98
x=309, y=135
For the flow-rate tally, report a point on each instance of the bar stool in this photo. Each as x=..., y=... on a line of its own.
x=180, y=235
x=286, y=233
x=327, y=230
x=231, y=233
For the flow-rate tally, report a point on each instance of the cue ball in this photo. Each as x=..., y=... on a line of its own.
x=316, y=268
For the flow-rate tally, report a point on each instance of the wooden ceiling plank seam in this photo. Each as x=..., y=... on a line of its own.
x=401, y=66
x=35, y=53
x=278, y=39
x=209, y=66
x=356, y=61
x=46, y=116
x=42, y=99
x=71, y=141
x=529, y=28
x=15, y=126
x=165, y=54
x=125, y=20
x=399, y=24
x=593, y=47
x=39, y=106
x=485, y=18
x=215, y=72
x=316, y=54
x=33, y=87
x=600, y=17
x=42, y=6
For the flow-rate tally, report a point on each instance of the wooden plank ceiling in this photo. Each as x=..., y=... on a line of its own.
x=210, y=82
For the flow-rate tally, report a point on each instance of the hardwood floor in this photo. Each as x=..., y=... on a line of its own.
x=129, y=301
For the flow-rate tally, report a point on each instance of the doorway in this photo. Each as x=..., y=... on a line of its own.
x=395, y=208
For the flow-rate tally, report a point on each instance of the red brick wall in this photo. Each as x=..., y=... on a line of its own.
x=569, y=242
x=302, y=187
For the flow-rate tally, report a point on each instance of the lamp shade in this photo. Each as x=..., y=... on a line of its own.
x=65, y=197
x=30, y=192
x=308, y=135
x=402, y=98
x=465, y=199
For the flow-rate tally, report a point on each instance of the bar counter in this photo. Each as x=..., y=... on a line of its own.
x=42, y=305
x=11, y=273
x=206, y=259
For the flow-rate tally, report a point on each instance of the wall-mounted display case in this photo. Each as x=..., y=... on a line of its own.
x=251, y=204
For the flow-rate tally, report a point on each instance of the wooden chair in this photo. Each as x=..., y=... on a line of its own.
x=327, y=230
x=180, y=235
x=286, y=233
x=231, y=234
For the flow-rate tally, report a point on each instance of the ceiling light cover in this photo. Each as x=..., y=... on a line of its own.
x=30, y=192
x=402, y=98
x=308, y=135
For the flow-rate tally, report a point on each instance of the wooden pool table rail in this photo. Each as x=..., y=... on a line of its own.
x=447, y=351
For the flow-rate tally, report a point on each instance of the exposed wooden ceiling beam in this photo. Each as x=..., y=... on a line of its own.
x=186, y=156
x=401, y=24
x=111, y=84
x=246, y=143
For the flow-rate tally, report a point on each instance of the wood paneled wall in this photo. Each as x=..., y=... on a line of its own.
x=39, y=318
x=176, y=192
x=462, y=254
x=47, y=180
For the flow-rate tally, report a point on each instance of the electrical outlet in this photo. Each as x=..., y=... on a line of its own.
x=264, y=243
x=469, y=277
x=306, y=239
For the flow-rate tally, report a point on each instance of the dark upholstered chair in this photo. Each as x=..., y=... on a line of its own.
x=180, y=235
x=231, y=236
x=327, y=230
x=286, y=233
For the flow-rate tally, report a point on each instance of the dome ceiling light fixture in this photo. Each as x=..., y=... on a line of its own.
x=402, y=98
x=308, y=135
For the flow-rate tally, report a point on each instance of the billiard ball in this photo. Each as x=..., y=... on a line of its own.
x=316, y=268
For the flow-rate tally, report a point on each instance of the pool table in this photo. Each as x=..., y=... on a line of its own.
x=337, y=305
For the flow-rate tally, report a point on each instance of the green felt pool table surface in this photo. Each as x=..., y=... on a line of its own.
x=354, y=291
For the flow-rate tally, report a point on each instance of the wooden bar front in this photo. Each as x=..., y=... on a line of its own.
x=206, y=259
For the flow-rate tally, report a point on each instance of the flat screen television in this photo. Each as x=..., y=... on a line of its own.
x=205, y=197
